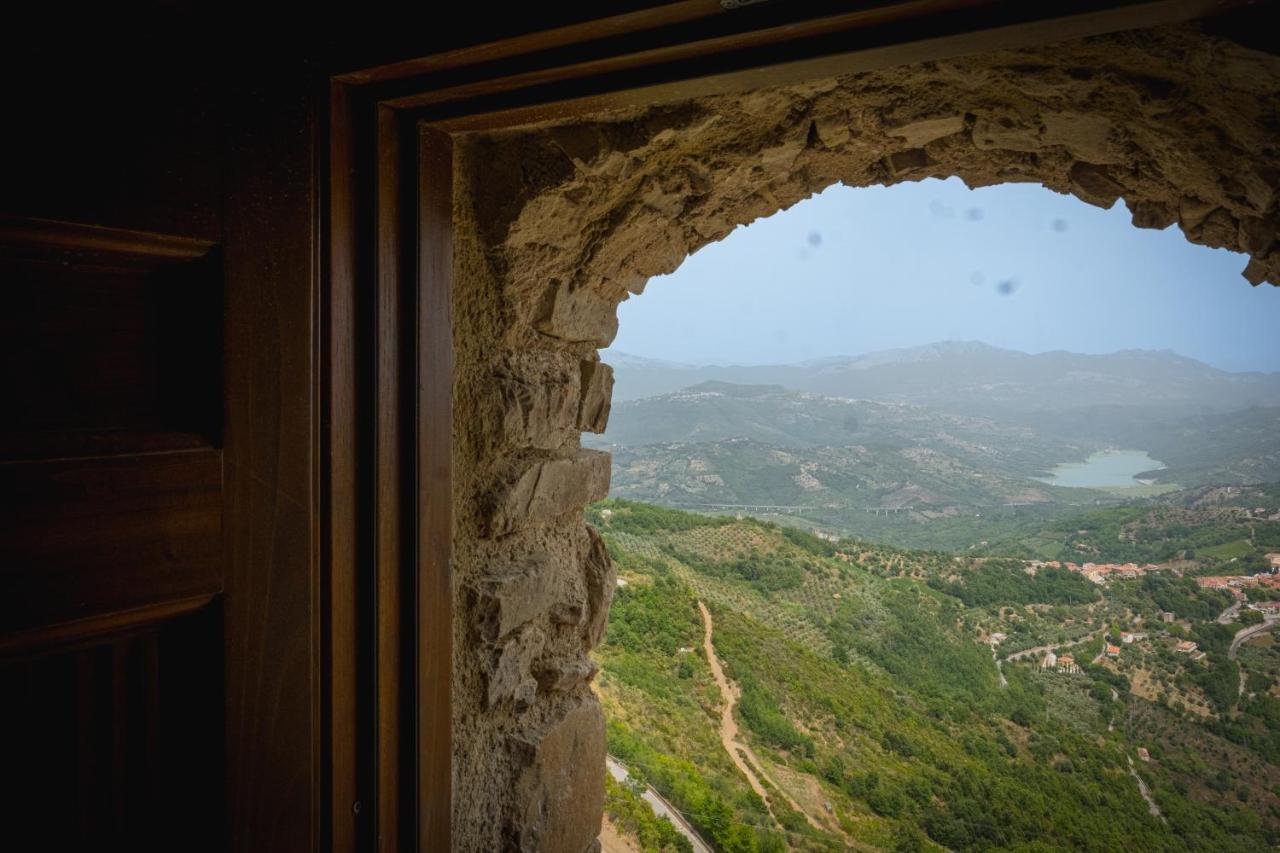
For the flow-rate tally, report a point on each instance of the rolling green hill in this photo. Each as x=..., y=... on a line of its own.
x=918, y=475
x=871, y=707
x=974, y=378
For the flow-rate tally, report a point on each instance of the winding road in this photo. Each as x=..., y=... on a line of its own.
x=1246, y=634
x=1033, y=652
x=660, y=806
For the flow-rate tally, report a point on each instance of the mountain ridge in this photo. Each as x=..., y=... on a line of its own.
x=974, y=377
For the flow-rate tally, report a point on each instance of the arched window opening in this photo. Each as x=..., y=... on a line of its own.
x=904, y=480
x=864, y=690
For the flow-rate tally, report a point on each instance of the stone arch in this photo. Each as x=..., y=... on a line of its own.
x=556, y=225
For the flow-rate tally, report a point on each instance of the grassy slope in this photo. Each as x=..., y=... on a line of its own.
x=911, y=742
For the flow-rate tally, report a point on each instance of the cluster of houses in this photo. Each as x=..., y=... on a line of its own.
x=1236, y=584
x=1098, y=573
x=1067, y=663
x=1060, y=663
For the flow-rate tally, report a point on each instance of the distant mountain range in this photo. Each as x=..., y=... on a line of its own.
x=975, y=378
x=930, y=446
x=716, y=411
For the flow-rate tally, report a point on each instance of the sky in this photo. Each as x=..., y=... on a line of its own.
x=850, y=271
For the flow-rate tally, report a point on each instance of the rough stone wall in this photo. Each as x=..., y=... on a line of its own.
x=557, y=225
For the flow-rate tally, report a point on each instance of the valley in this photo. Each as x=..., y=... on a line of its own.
x=786, y=692
x=946, y=598
x=964, y=446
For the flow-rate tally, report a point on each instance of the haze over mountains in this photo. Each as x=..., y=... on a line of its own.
x=971, y=376
x=933, y=446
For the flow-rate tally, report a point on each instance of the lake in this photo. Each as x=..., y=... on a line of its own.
x=1106, y=469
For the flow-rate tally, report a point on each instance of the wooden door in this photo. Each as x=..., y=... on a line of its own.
x=161, y=670
x=111, y=514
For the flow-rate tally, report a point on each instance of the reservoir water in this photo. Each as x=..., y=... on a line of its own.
x=1106, y=469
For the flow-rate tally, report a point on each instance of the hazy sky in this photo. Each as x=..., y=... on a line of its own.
x=1017, y=266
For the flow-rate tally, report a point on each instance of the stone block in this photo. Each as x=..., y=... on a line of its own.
x=560, y=787
x=512, y=674
x=1255, y=272
x=1092, y=184
x=1152, y=214
x=902, y=162
x=545, y=489
x=1192, y=211
x=1219, y=230
x=1087, y=137
x=601, y=578
x=1005, y=135
x=534, y=415
x=920, y=133
x=1256, y=235
x=568, y=613
x=577, y=314
x=595, y=396
x=833, y=129
x=513, y=597
x=566, y=675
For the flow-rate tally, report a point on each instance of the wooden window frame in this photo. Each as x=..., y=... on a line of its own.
x=386, y=336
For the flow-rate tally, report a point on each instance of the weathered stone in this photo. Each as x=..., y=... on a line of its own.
x=548, y=488
x=1005, y=134
x=1260, y=186
x=1152, y=214
x=902, y=162
x=577, y=314
x=511, y=598
x=1192, y=211
x=595, y=396
x=567, y=674
x=601, y=578
x=920, y=133
x=1255, y=272
x=1219, y=229
x=1086, y=136
x=541, y=416
x=832, y=130
x=1256, y=235
x=568, y=613
x=512, y=677
x=560, y=790
x=1091, y=183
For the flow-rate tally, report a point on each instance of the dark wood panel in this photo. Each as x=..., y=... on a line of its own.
x=434, y=510
x=114, y=746
x=274, y=732
x=110, y=341
x=343, y=340
x=394, y=479
x=86, y=537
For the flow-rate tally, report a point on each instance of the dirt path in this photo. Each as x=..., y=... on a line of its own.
x=1039, y=650
x=1145, y=792
x=742, y=756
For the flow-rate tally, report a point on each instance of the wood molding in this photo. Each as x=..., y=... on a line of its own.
x=54, y=638
x=434, y=421
x=48, y=234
